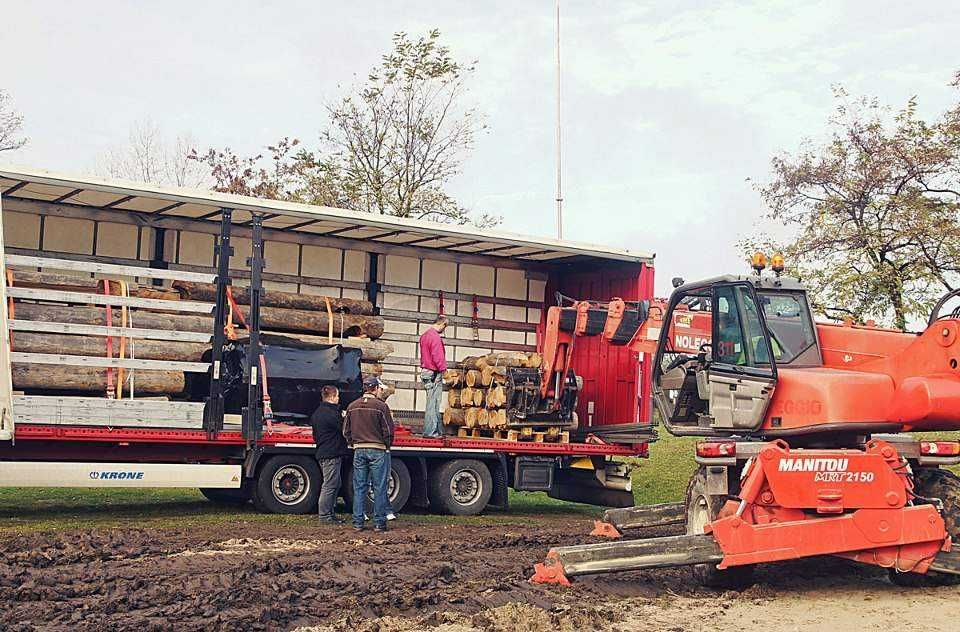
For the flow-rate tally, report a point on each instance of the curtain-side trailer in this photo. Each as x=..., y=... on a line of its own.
x=493, y=286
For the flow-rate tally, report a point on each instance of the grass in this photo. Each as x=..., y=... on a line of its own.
x=661, y=478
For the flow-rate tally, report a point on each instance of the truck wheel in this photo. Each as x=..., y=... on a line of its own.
x=461, y=487
x=701, y=510
x=398, y=488
x=932, y=482
x=227, y=496
x=287, y=484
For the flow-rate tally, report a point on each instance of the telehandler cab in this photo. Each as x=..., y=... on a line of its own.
x=804, y=449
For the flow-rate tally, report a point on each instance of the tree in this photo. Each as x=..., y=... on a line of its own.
x=402, y=137
x=149, y=157
x=391, y=147
x=873, y=212
x=11, y=125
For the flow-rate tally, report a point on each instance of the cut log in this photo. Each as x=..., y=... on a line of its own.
x=371, y=369
x=47, y=377
x=71, y=283
x=483, y=418
x=28, y=342
x=80, y=315
x=510, y=359
x=290, y=320
x=453, y=377
x=470, y=362
x=454, y=417
x=471, y=416
x=274, y=298
x=479, y=395
x=498, y=418
x=493, y=374
x=372, y=350
x=453, y=397
x=466, y=397
x=496, y=397
x=472, y=378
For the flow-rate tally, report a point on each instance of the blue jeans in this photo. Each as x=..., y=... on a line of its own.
x=371, y=468
x=433, y=384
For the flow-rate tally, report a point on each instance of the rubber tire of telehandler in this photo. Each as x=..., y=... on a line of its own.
x=932, y=482
x=736, y=578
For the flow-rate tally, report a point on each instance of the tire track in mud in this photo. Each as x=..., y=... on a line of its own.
x=252, y=577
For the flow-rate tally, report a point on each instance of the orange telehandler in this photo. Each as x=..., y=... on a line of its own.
x=804, y=450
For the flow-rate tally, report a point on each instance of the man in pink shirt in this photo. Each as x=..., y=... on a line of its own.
x=433, y=363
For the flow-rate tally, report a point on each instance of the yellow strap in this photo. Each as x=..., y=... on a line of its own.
x=326, y=299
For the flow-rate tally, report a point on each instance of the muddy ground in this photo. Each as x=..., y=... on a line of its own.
x=418, y=576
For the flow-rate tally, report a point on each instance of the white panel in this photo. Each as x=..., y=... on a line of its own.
x=280, y=286
x=531, y=338
x=513, y=337
x=392, y=300
x=40, y=474
x=315, y=290
x=439, y=275
x=403, y=271
x=465, y=308
x=533, y=315
x=321, y=262
x=356, y=294
x=21, y=230
x=402, y=399
x=511, y=283
x=510, y=312
x=281, y=257
x=65, y=234
x=537, y=289
x=399, y=327
x=354, y=265
x=476, y=279
x=463, y=352
x=116, y=240
x=241, y=252
x=196, y=249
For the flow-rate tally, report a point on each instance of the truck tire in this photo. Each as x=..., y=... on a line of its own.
x=932, y=482
x=701, y=510
x=287, y=484
x=461, y=487
x=220, y=496
x=398, y=490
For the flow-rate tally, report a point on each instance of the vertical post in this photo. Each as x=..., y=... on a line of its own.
x=6, y=383
x=559, y=188
x=213, y=407
x=253, y=412
x=373, y=283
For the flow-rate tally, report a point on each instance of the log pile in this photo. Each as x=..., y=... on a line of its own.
x=476, y=396
x=285, y=318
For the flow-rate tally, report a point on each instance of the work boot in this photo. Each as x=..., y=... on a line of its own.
x=382, y=528
x=331, y=520
x=359, y=527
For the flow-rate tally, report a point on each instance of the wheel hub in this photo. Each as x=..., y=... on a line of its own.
x=465, y=487
x=290, y=484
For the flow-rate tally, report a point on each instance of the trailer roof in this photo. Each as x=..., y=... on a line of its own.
x=153, y=202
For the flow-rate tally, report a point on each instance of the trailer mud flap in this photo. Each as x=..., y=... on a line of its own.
x=582, y=486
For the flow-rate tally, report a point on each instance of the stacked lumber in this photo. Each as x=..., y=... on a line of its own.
x=49, y=323
x=476, y=396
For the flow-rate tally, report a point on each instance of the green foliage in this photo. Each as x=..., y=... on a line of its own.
x=873, y=212
x=391, y=147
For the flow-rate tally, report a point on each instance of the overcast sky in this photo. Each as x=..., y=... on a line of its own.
x=668, y=106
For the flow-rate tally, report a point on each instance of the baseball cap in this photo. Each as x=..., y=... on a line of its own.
x=371, y=382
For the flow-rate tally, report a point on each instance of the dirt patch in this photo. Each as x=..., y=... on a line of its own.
x=449, y=578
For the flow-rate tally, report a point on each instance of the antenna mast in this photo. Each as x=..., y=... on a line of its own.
x=559, y=188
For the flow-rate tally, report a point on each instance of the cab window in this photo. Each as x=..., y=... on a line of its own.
x=757, y=350
x=788, y=320
x=730, y=341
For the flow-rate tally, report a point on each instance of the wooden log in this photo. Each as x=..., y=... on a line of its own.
x=454, y=417
x=470, y=362
x=47, y=377
x=504, y=359
x=466, y=397
x=81, y=315
x=496, y=397
x=534, y=360
x=370, y=369
x=453, y=398
x=72, y=283
x=275, y=298
x=493, y=374
x=453, y=378
x=479, y=396
x=483, y=418
x=28, y=342
x=471, y=416
x=270, y=318
x=472, y=378
x=371, y=350
x=498, y=418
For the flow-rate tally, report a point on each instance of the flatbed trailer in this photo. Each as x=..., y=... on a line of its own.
x=44, y=443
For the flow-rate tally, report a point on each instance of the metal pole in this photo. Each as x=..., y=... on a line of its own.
x=213, y=407
x=559, y=188
x=252, y=414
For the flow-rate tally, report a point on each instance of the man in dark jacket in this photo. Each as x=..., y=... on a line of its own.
x=368, y=429
x=327, y=424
